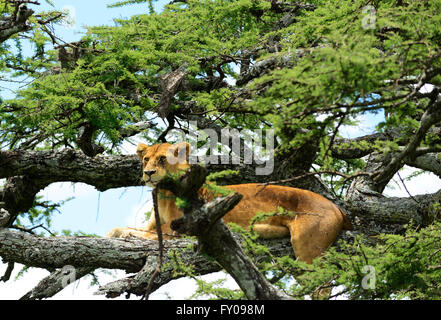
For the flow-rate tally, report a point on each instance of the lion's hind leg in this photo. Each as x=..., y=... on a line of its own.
x=269, y=231
x=313, y=233
x=130, y=233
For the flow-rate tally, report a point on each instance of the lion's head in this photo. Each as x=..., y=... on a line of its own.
x=160, y=159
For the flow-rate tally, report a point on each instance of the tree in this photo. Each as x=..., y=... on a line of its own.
x=303, y=69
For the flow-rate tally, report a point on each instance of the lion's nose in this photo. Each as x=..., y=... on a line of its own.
x=149, y=172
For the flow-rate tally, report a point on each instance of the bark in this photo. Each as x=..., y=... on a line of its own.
x=15, y=23
x=56, y=282
x=19, y=193
x=4, y=217
x=176, y=253
x=373, y=213
x=218, y=242
x=170, y=83
x=85, y=140
x=179, y=253
x=79, y=252
x=102, y=172
x=393, y=163
x=28, y=172
x=430, y=162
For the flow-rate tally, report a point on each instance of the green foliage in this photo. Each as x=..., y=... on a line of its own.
x=148, y=214
x=127, y=2
x=180, y=269
x=344, y=70
x=388, y=267
x=221, y=174
x=206, y=289
x=261, y=216
x=217, y=190
x=215, y=290
x=130, y=58
x=182, y=203
x=39, y=216
x=70, y=233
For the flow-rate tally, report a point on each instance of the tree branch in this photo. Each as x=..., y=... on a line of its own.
x=15, y=23
x=430, y=117
x=55, y=282
x=374, y=213
x=428, y=162
x=102, y=172
x=79, y=252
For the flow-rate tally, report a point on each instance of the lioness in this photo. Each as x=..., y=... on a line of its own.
x=314, y=227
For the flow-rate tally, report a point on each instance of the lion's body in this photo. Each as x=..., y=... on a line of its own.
x=314, y=222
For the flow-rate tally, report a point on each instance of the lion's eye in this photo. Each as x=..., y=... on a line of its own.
x=146, y=160
x=161, y=160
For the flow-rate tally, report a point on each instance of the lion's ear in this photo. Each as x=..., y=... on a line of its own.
x=141, y=150
x=181, y=146
x=179, y=151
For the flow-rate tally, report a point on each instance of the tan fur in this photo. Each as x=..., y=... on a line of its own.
x=314, y=227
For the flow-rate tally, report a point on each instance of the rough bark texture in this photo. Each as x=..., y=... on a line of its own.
x=103, y=172
x=15, y=23
x=56, y=252
x=56, y=282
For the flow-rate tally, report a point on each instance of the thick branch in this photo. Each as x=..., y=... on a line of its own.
x=55, y=282
x=430, y=117
x=170, y=83
x=390, y=214
x=19, y=193
x=359, y=147
x=102, y=172
x=136, y=128
x=216, y=240
x=429, y=162
x=178, y=255
x=85, y=254
x=16, y=23
x=79, y=252
x=264, y=66
x=4, y=217
x=85, y=140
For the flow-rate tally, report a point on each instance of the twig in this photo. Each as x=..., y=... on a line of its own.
x=161, y=245
x=405, y=187
x=346, y=176
x=31, y=229
x=8, y=272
